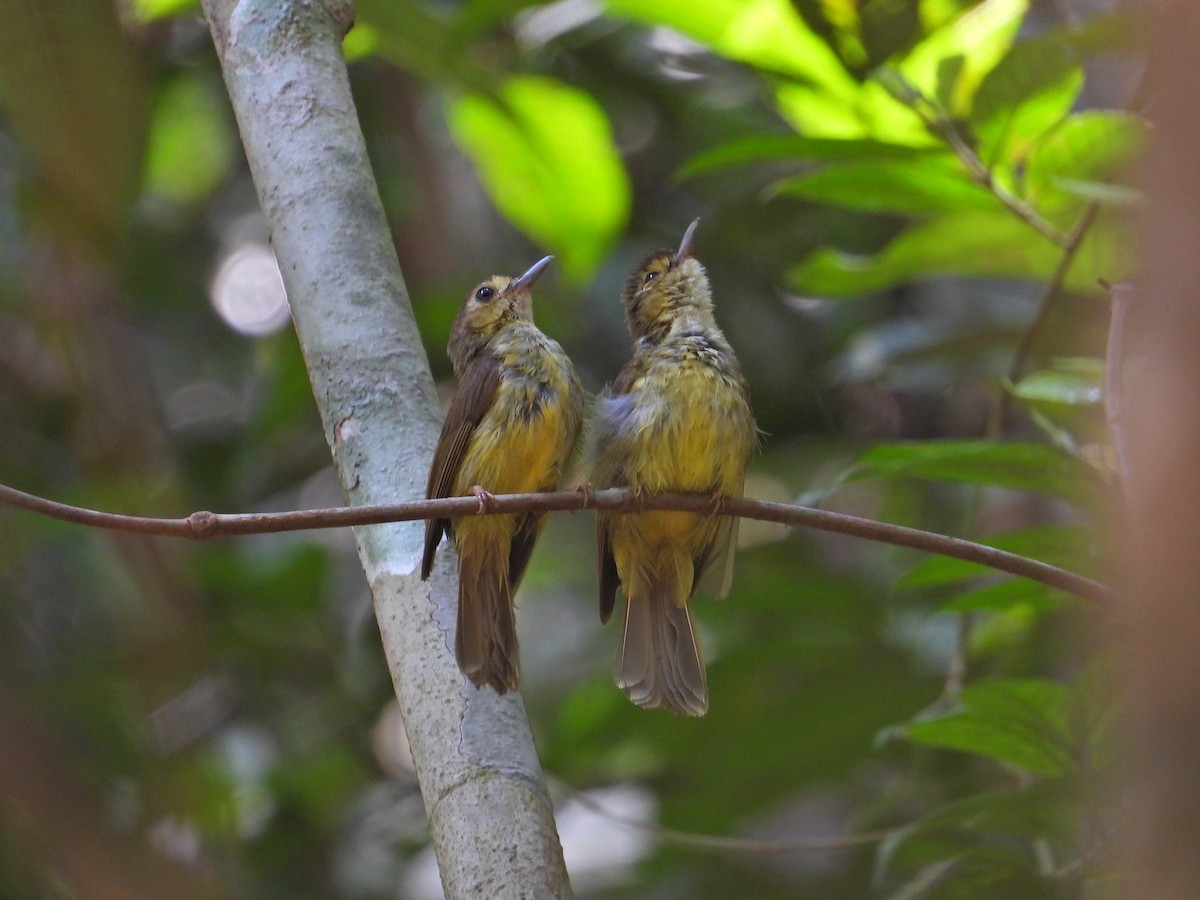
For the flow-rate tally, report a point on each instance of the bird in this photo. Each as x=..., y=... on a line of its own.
x=676, y=418
x=511, y=427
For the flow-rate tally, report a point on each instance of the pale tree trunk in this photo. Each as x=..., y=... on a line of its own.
x=1159, y=634
x=490, y=815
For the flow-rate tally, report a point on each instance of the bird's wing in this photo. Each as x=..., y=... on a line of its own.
x=610, y=580
x=523, y=541
x=471, y=402
x=713, y=573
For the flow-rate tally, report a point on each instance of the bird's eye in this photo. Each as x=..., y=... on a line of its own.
x=485, y=293
x=650, y=276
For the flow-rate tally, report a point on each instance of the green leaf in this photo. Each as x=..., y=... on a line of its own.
x=935, y=13
x=545, y=154
x=776, y=147
x=974, y=243
x=191, y=140
x=1072, y=382
x=767, y=34
x=145, y=11
x=1020, y=467
x=1091, y=146
x=360, y=42
x=819, y=97
x=1020, y=722
x=1031, y=89
x=1066, y=546
x=910, y=187
x=1099, y=192
x=816, y=112
x=1005, y=595
x=979, y=37
x=1044, y=809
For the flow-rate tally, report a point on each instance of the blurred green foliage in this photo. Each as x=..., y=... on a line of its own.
x=866, y=173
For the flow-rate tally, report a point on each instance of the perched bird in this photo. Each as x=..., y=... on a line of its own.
x=677, y=418
x=511, y=428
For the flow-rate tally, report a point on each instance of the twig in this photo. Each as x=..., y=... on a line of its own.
x=1053, y=286
x=728, y=844
x=205, y=525
x=983, y=176
x=1045, y=304
x=938, y=122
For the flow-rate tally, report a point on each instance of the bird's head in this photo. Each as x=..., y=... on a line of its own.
x=666, y=283
x=488, y=308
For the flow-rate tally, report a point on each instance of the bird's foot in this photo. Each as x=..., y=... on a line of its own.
x=716, y=505
x=639, y=497
x=487, y=500
x=584, y=489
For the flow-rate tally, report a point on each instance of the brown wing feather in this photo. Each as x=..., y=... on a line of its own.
x=624, y=380
x=472, y=400
x=610, y=580
x=524, y=539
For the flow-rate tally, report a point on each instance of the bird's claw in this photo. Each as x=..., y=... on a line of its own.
x=639, y=497
x=584, y=490
x=486, y=499
x=716, y=505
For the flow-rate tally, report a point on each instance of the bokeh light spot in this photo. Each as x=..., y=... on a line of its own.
x=248, y=292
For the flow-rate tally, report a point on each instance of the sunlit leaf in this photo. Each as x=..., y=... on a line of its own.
x=1020, y=467
x=974, y=243
x=1092, y=146
x=979, y=37
x=821, y=99
x=913, y=186
x=774, y=147
x=545, y=154
x=890, y=120
x=191, y=140
x=935, y=13
x=360, y=41
x=1020, y=722
x=151, y=10
x=768, y=34
x=844, y=18
x=816, y=112
x=1030, y=90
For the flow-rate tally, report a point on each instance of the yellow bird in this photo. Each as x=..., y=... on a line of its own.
x=677, y=418
x=511, y=428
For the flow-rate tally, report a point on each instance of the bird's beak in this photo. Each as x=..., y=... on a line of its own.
x=525, y=282
x=685, y=246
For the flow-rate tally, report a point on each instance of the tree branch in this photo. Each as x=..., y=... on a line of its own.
x=205, y=525
x=491, y=822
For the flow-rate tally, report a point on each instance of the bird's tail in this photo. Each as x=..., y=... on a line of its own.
x=659, y=662
x=486, y=640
